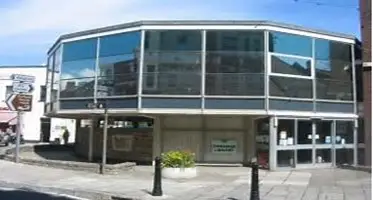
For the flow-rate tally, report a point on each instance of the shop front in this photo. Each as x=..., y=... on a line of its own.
x=312, y=143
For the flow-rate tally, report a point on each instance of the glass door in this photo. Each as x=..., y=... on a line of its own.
x=323, y=140
x=304, y=142
x=344, y=142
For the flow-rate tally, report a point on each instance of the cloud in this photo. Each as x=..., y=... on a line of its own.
x=34, y=25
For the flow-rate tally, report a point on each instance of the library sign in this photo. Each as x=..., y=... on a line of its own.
x=224, y=146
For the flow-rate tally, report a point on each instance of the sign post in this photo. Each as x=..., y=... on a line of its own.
x=20, y=101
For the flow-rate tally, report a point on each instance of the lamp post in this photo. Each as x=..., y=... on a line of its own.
x=104, y=138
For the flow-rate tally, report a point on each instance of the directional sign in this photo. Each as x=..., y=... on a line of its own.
x=19, y=102
x=23, y=78
x=19, y=87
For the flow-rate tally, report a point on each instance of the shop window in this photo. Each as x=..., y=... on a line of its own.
x=344, y=132
x=285, y=132
x=304, y=132
x=285, y=158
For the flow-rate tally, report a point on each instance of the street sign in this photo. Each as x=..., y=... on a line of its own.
x=19, y=87
x=23, y=78
x=19, y=102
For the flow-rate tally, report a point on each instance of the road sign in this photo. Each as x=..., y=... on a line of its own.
x=23, y=78
x=19, y=102
x=19, y=87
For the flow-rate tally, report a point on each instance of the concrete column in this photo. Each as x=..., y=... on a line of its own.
x=273, y=144
x=203, y=139
x=90, y=139
x=157, y=139
x=246, y=136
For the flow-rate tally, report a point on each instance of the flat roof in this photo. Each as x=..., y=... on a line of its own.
x=197, y=22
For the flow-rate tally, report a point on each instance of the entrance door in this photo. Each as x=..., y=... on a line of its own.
x=305, y=143
x=45, y=128
x=323, y=140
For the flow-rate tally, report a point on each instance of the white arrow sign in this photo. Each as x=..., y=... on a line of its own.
x=22, y=87
x=23, y=78
x=9, y=102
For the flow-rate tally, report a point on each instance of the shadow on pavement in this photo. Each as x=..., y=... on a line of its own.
x=19, y=194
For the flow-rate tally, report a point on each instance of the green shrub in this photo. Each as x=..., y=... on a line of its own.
x=178, y=159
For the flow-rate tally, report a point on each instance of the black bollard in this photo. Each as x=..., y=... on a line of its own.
x=254, y=194
x=157, y=183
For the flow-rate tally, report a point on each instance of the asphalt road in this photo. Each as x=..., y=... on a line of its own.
x=17, y=194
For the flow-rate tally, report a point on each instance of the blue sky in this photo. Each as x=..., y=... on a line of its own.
x=30, y=27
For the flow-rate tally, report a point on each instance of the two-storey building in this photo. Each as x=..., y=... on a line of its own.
x=226, y=90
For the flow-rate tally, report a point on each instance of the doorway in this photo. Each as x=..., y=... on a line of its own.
x=45, y=129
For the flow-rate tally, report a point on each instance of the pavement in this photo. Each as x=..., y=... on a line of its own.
x=224, y=183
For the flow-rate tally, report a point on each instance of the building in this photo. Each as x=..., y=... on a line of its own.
x=366, y=36
x=35, y=127
x=229, y=91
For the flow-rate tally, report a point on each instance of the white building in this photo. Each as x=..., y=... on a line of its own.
x=35, y=126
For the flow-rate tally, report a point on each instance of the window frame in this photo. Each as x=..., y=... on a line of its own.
x=155, y=77
x=269, y=66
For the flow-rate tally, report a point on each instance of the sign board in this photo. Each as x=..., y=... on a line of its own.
x=19, y=102
x=23, y=78
x=19, y=87
x=223, y=146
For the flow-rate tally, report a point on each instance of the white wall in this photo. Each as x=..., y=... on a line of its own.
x=56, y=131
x=30, y=121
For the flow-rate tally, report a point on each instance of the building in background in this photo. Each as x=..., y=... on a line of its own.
x=227, y=91
x=366, y=37
x=35, y=127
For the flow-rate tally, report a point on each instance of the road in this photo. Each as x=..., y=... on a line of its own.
x=18, y=194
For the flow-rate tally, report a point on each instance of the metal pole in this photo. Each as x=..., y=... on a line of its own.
x=254, y=193
x=104, y=143
x=18, y=136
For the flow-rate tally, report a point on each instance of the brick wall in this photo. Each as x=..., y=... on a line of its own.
x=366, y=30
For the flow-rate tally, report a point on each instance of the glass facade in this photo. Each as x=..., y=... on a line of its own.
x=211, y=63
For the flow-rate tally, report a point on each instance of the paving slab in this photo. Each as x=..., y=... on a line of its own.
x=224, y=183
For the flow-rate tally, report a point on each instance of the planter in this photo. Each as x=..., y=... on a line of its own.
x=179, y=173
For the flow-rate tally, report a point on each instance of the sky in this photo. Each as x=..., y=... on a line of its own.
x=30, y=27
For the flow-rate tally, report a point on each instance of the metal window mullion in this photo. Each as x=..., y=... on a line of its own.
x=267, y=66
x=353, y=78
x=59, y=77
x=203, y=69
x=97, y=67
x=313, y=68
x=140, y=70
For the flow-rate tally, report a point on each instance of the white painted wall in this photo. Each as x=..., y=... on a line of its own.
x=56, y=131
x=30, y=121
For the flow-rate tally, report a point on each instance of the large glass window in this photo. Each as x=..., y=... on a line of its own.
x=118, y=64
x=172, y=62
x=56, y=74
x=344, y=133
x=285, y=132
x=235, y=63
x=78, y=68
x=290, y=87
x=333, y=69
x=285, y=43
x=49, y=78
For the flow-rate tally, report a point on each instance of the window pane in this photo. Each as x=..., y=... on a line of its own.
x=323, y=156
x=125, y=43
x=82, y=87
x=234, y=73
x=173, y=40
x=290, y=44
x=117, y=75
x=304, y=156
x=285, y=158
x=304, y=132
x=242, y=41
x=290, y=87
x=344, y=156
x=334, y=89
x=288, y=65
x=173, y=73
x=344, y=132
x=333, y=70
x=324, y=131
x=78, y=50
x=56, y=75
x=78, y=69
x=285, y=130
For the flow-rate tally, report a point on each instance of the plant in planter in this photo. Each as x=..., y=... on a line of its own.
x=178, y=164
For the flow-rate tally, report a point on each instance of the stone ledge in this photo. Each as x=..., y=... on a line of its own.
x=358, y=168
